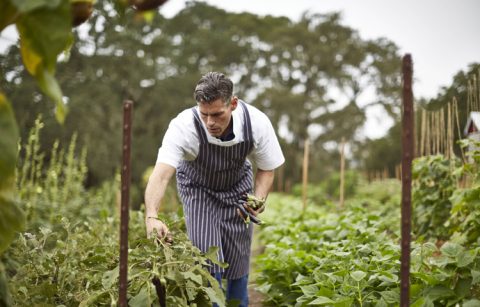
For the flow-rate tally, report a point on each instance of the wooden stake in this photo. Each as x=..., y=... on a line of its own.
x=437, y=131
x=442, y=131
x=449, y=132
x=469, y=97
x=455, y=104
x=478, y=92
x=475, y=93
x=342, y=173
x=427, y=135
x=422, y=133
x=305, y=173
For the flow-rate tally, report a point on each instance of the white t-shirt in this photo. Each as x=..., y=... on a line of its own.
x=181, y=141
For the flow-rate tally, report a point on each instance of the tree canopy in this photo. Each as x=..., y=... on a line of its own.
x=315, y=78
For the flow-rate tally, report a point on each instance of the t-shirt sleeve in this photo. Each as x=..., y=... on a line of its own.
x=172, y=150
x=267, y=153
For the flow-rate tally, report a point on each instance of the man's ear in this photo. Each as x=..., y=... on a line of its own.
x=234, y=103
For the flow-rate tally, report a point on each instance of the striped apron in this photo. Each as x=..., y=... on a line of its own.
x=209, y=186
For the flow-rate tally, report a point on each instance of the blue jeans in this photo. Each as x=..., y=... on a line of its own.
x=236, y=289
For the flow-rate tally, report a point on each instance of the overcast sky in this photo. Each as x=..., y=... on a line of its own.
x=443, y=36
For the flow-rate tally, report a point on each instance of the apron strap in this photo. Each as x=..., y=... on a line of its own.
x=247, y=126
x=198, y=125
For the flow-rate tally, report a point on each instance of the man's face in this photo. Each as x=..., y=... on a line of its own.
x=216, y=115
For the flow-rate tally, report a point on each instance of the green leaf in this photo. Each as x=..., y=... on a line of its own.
x=321, y=300
x=390, y=296
x=45, y=33
x=109, y=278
x=88, y=301
x=214, y=296
x=462, y=287
x=309, y=290
x=4, y=295
x=423, y=302
x=381, y=303
x=358, y=275
x=8, y=145
x=141, y=299
x=192, y=276
x=212, y=255
x=12, y=218
x=264, y=288
x=419, y=302
x=471, y=303
x=343, y=302
x=451, y=249
x=439, y=292
x=475, y=276
x=415, y=290
x=465, y=258
x=49, y=85
x=25, y=6
x=388, y=277
x=191, y=290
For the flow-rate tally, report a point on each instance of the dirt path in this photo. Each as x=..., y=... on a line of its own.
x=255, y=298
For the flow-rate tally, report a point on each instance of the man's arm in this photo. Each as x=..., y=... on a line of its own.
x=154, y=193
x=263, y=184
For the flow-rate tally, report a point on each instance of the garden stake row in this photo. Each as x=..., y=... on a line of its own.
x=342, y=174
x=305, y=174
x=407, y=156
x=127, y=137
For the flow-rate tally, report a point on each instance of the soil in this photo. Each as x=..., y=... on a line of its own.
x=255, y=298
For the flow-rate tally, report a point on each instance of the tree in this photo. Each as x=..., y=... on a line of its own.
x=459, y=90
x=385, y=152
x=312, y=78
x=320, y=71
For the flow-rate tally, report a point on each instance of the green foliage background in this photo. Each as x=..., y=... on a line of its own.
x=351, y=256
x=286, y=68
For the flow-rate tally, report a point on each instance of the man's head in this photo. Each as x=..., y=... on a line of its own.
x=213, y=94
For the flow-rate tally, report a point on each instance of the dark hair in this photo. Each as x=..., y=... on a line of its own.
x=212, y=86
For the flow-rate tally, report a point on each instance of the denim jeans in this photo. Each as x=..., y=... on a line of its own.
x=236, y=289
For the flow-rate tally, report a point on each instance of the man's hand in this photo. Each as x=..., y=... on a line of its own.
x=254, y=205
x=249, y=207
x=154, y=225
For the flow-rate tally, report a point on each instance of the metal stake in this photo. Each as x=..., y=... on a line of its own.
x=127, y=131
x=407, y=156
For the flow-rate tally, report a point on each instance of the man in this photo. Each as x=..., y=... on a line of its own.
x=208, y=146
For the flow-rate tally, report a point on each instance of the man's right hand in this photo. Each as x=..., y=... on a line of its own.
x=153, y=226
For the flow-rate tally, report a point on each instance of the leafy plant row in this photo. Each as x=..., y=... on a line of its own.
x=351, y=257
x=68, y=255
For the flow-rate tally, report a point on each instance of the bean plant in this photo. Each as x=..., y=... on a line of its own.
x=68, y=254
x=351, y=257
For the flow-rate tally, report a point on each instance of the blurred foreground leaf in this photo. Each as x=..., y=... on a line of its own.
x=11, y=217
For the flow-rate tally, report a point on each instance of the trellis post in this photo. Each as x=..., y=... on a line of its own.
x=407, y=156
x=305, y=173
x=124, y=209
